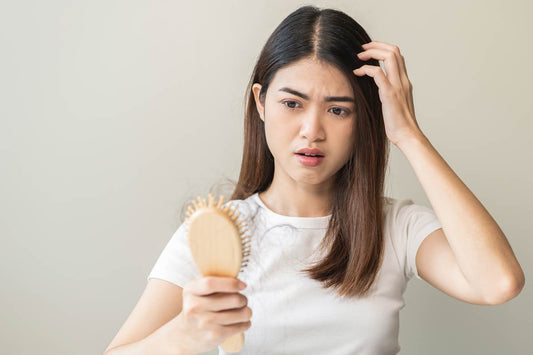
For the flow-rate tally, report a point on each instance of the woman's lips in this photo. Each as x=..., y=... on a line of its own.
x=309, y=161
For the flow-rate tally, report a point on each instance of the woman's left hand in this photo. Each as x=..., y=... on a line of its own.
x=395, y=89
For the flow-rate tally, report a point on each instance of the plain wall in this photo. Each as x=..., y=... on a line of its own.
x=115, y=112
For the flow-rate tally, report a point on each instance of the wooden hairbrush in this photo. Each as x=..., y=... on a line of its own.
x=218, y=245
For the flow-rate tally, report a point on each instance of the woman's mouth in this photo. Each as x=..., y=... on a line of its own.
x=309, y=159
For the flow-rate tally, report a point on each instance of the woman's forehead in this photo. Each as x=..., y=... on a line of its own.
x=312, y=77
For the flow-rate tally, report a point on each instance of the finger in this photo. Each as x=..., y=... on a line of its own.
x=406, y=84
x=378, y=44
x=210, y=284
x=223, y=301
x=408, y=87
x=375, y=72
x=399, y=58
x=235, y=316
x=390, y=62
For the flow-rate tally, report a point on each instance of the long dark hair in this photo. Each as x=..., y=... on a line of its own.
x=354, y=238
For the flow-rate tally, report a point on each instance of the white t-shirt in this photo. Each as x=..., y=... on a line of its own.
x=294, y=314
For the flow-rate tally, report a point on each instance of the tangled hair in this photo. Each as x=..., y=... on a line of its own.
x=354, y=238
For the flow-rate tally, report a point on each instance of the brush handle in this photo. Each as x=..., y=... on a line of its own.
x=218, y=245
x=234, y=343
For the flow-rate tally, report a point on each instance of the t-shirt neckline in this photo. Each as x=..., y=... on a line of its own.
x=299, y=222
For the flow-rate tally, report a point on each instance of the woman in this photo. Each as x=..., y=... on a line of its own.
x=331, y=255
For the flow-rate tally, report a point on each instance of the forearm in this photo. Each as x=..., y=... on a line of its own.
x=479, y=245
x=155, y=343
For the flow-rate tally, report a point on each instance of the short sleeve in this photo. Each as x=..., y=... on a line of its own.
x=413, y=224
x=176, y=264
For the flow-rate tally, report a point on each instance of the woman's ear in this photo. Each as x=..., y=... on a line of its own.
x=256, y=88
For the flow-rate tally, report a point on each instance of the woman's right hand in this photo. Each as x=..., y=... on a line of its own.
x=213, y=310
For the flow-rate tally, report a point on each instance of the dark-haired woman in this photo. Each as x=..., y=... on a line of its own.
x=331, y=255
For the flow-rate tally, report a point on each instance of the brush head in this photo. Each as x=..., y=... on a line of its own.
x=216, y=238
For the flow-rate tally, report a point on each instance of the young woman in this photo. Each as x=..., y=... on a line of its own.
x=331, y=255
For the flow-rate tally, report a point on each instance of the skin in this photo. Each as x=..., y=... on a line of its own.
x=292, y=123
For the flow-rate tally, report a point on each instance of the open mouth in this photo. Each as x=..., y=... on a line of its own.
x=310, y=155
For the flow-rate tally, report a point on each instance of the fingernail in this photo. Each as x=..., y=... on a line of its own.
x=242, y=285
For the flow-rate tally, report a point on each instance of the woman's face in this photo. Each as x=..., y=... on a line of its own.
x=308, y=105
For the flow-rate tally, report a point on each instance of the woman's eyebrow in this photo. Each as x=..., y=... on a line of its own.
x=326, y=99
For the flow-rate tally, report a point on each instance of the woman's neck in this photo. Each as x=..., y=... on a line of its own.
x=297, y=202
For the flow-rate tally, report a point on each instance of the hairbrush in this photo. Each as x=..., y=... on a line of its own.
x=218, y=245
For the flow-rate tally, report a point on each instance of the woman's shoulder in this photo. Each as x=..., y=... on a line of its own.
x=403, y=205
x=248, y=200
x=391, y=203
x=247, y=205
x=388, y=201
x=400, y=209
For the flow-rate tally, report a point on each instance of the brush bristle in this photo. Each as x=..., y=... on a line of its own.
x=211, y=212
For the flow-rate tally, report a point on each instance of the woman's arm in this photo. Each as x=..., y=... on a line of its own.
x=154, y=320
x=470, y=258
x=155, y=343
x=482, y=252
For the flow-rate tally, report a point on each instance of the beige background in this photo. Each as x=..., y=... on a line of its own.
x=114, y=112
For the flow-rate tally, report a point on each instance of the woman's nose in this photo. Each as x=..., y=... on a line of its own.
x=311, y=127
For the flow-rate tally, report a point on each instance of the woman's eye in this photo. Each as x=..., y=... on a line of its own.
x=340, y=111
x=337, y=111
x=290, y=104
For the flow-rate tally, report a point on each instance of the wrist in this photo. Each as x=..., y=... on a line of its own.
x=174, y=337
x=411, y=139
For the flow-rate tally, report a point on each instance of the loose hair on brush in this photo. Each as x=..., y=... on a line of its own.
x=354, y=238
